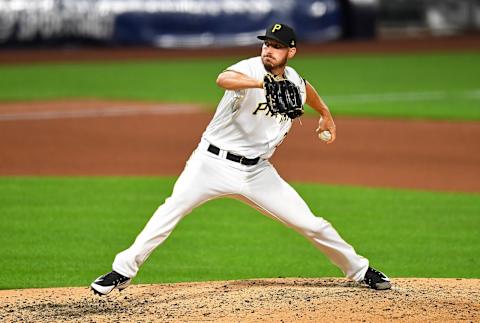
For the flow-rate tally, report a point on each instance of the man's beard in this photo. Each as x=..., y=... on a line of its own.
x=270, y=66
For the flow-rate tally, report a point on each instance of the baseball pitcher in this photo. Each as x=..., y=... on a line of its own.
x=262, y=98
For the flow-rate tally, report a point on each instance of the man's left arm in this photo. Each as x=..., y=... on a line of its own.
x=326, y=120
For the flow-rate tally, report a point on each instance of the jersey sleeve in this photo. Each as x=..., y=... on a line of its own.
x=244, y=67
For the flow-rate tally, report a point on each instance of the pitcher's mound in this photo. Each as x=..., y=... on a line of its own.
x=287, y=300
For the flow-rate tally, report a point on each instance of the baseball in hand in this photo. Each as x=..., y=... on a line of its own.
x=325, y=135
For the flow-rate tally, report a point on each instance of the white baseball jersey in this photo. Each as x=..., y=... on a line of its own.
x=243, y=124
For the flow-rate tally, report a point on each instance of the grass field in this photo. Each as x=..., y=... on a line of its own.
x=440, y=86
x=66, y=231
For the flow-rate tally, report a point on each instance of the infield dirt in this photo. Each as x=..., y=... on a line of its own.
x=266, y=300
x=131, y=138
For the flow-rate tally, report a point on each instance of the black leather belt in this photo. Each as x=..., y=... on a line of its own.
x=236, y=158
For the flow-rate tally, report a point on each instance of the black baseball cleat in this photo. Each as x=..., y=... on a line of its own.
x=376, y=279
x=108, y=282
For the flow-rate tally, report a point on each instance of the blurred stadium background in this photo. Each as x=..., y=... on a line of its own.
x=215, y=23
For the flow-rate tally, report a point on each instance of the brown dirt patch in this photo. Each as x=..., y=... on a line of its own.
x=267, y=300
x=127, y=138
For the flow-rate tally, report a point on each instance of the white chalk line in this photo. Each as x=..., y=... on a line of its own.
x=402, y=97
x=99, y=112
x=473, y=94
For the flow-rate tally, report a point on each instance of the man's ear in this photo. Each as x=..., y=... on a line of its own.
x=291, y=52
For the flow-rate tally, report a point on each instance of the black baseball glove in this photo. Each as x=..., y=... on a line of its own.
x=283, y=96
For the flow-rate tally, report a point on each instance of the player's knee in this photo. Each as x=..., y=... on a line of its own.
x=176, y=204
x=314, y=227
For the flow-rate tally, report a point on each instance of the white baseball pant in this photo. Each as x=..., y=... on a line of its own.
x=208, y=176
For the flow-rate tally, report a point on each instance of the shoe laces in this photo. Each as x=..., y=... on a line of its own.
x=115, y=278
x=374, y=275
x=376, y=271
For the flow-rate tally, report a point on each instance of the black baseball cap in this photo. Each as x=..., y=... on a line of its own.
x=281, y=33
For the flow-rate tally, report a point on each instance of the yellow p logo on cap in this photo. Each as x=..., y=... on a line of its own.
x=276, y=27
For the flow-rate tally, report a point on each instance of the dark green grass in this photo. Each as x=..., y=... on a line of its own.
x=66, y=232
x=444, y=86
